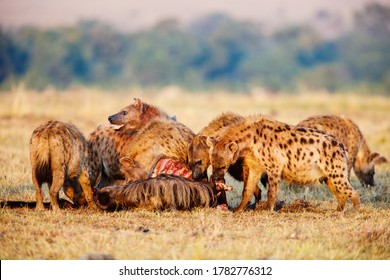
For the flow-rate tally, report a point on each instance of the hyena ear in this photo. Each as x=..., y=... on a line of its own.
x=203, y=139
x=138, y=104
x=376, y=158
x=210, y=141
x=127, y=162
x=233, y=148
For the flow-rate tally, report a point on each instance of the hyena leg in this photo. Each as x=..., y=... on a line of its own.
x=334, y=189
x=250, y=186
x=38, y=192
x=351, y=193
x=355, y=198
x=273, y=187
x=264, y=181
x=87, y=190
x=258, y=194
x=245, y=173
x=58, y=181
x=343, y=190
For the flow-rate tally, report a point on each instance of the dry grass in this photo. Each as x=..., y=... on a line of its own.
x=306, y=226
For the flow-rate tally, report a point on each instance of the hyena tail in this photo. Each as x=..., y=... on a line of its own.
x=40, y=160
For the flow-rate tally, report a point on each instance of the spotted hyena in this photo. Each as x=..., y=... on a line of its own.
x=296, y=155
x=159, y=139
x=131, y=170
x=137, y=115
x=198, y=152
x=59, y=157
x=108, y=142
x=360, y=157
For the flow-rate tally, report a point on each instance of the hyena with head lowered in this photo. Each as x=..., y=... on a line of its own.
x=198, y=152
x=345, y=130
x=109, y=142
x=296, y=155
x=59, y=157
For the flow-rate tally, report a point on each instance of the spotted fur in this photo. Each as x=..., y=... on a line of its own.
x=198, y=152
x=360, y=157
x=59, y=157
x=108, y=143
x=294, y=154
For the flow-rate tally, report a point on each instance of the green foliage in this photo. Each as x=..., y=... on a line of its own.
x=215, y=51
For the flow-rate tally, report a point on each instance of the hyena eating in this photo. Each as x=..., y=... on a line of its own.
x=198, y=152
x=360, y=157
x=59, y=157
x=296, y=155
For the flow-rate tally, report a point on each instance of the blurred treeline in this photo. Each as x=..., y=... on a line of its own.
x=213, y=52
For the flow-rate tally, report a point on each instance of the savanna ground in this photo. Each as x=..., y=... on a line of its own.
x=305, y=227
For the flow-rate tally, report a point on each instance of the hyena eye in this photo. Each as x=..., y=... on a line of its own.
x=198, y=162
x=222, y=167
x=124, y=113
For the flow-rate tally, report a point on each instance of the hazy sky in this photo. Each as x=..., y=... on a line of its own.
x=131, y=14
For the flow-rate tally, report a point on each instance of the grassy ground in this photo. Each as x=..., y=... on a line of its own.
x=305, y=227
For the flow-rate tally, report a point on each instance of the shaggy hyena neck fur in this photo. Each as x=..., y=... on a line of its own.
x=221, y=122
x=361, y=159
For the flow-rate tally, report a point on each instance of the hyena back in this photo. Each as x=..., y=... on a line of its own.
x=360, y=158
x=59, y=157
x=296, y=155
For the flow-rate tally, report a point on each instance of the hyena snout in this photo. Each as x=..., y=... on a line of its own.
x=117, y=118
x=217, y=178
x=198, y=173
x=366, y=178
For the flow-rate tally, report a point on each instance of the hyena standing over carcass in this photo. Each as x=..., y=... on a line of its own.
x=198, y=152
x=360, y=157
x=109, y=142
x=296, y=155
x=59, y=157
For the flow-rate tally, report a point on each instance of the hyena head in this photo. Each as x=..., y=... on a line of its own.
x=131, y=170
x=135, y=115
x=222, y=155
x=198, y=157
x=366, y=173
